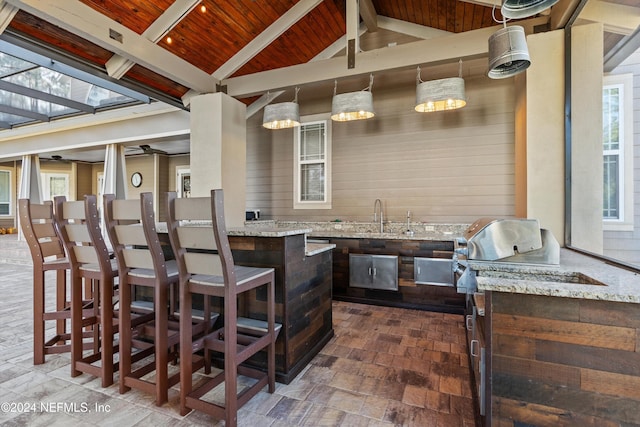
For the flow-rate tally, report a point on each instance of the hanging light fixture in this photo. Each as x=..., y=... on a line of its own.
x=508, y=52
x=282, y=115
x=440, y=95
x=352, y=105
x=517, y=9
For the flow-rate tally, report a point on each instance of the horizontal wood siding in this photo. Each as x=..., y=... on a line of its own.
x=445, y=167
x=561, y=361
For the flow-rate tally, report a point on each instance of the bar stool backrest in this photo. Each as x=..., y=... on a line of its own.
x=199, y=247
x=80, y=230
x=38, y=227
x=132, y=230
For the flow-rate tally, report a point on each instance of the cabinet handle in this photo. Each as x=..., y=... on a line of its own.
x=475, y=344
x=374, y=271
x=469, y=322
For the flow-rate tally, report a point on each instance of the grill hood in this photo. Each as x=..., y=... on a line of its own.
x=511, y=240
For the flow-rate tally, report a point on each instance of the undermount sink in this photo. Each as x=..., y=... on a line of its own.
x=569, y=277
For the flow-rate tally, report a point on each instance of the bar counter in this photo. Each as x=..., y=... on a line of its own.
x=303, y=291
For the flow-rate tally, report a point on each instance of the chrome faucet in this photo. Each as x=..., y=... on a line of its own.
x=378, y=204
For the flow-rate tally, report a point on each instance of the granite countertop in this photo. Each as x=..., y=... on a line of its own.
x=338, y=234
x=577, y=276
x=318, y=248
x=261, y=231
x=266, y=231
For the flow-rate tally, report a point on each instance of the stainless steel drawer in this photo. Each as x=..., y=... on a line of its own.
x=433, y=271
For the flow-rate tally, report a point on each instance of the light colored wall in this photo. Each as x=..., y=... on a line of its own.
x=445, y=167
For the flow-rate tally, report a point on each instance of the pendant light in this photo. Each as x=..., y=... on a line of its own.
x=440, y=95
x=518, y=9
x=508, y=52
x=282, y=115
x=352, y=105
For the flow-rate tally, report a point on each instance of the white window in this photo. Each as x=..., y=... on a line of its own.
x=5, y=192
x=183, y=182
x=55, y=184
x=617, y=150
x=312, y=168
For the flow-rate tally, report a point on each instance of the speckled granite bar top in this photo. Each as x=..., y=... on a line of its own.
x=577, y=276
x=266, y=231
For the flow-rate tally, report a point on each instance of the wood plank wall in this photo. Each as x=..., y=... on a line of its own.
x=564, y=362
x=445, y=167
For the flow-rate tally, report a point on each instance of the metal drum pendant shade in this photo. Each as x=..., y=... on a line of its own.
x=508, y=52
x=281, y=116
x=352, y=105
x=517, y=9
x=440, y=95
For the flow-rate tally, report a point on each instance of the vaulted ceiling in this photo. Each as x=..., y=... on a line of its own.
x=172, y=50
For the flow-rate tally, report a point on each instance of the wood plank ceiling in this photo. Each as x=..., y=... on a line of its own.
x=221, y=39
x=213, y=32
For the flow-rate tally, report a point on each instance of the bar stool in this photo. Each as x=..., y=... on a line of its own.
x=141, y=261
x=91, y=263
x=206, y=267
x=47, y=253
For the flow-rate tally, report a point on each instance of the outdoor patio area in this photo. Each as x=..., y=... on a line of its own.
x=385, y=366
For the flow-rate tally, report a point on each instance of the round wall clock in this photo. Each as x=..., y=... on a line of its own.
x=136, y=179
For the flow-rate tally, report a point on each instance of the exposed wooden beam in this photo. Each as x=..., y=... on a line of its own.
x=80, y=19
x=117, y=66
x=7, y=12
x=465, y=46
x=265, y=38
x=617, y=18
x=327, y=53
x=561, y=12
x=410, y=29
x=369, y=15
x=470, y=44
x=490, y=3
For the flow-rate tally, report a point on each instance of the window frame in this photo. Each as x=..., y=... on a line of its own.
x=625, y=220
x=10, y=210
x=46, y=184
x=298, y=203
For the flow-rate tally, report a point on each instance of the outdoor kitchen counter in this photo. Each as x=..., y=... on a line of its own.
x=544, y=346
x=578, y=276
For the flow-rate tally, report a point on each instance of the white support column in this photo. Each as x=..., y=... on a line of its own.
x=30, y=184
x=219, y=152
x=586, y=137
x=115, y=171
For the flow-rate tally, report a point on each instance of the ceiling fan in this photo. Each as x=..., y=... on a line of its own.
x=147, y=149
x=55, y=158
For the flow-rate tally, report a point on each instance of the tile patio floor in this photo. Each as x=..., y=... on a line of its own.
x=384, y=367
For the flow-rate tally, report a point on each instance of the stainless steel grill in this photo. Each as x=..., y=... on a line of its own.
x=515, y=241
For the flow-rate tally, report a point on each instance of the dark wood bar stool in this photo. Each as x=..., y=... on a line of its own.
x=47, y=253
x=91, y=263
x=141, y=261
x=206, y=267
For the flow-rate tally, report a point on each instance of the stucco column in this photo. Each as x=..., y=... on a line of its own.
x=540, y=134
x=219, y=152
x=586, y=137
